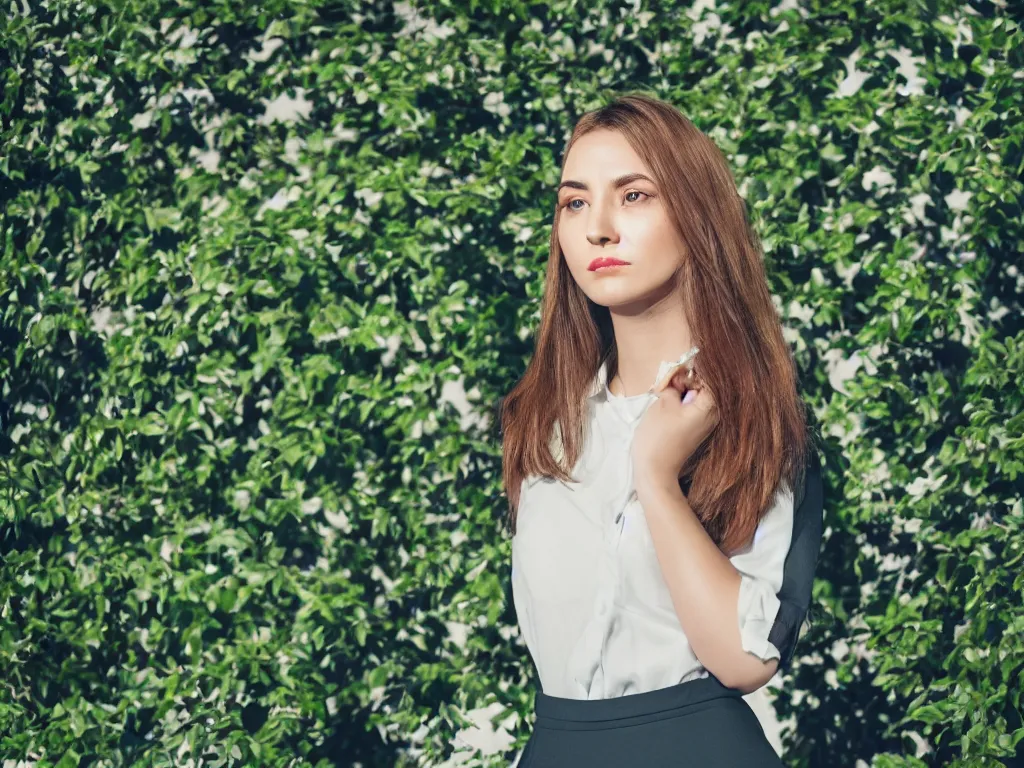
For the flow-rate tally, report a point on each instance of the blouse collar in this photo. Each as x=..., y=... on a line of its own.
x=599, y=384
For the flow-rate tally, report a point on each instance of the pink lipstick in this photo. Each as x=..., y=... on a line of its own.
x=602, y=262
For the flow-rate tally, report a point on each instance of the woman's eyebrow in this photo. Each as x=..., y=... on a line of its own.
x=620, y=181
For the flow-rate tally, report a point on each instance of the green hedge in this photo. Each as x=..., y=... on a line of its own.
x=268, y=268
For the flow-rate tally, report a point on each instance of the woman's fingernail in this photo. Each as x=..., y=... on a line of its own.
x=689, y=396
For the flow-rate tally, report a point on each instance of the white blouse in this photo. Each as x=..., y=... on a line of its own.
x=591, y=600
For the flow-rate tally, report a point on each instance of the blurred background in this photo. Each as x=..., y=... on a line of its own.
x=267, y=270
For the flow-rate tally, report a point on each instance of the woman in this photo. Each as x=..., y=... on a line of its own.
x=665, y=527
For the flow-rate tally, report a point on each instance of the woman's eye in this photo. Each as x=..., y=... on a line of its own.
x=569, y=203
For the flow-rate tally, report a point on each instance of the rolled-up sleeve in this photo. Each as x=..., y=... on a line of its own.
x=761, y=567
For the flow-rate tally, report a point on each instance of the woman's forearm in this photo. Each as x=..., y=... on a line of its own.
x=704, y=586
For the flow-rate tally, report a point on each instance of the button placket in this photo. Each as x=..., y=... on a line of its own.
x=630, y=489
x=586, y=660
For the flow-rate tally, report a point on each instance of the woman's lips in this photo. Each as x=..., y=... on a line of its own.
x=604, y=262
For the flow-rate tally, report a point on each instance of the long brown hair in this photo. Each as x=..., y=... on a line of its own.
x=761, y=438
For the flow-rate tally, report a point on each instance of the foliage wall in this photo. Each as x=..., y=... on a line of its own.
x=267, y=270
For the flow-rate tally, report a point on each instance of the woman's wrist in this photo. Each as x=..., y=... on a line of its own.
x=657, y=484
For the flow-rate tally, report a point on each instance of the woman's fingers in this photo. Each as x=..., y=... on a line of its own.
x=685, y=379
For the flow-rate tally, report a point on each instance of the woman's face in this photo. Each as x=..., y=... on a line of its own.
x=610, y=207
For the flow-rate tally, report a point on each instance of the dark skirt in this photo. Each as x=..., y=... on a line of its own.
x=690, y=725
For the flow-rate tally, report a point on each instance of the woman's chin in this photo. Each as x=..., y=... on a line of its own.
x=624, y=299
